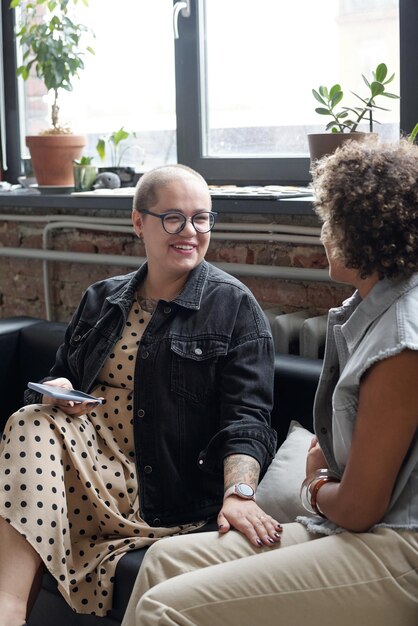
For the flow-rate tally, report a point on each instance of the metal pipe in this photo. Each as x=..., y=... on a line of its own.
x=238, y=269
x=54, y=225
x=267, y=237
x=226, y=226
x=216, y=234
x=264, y=232
x=128, y=229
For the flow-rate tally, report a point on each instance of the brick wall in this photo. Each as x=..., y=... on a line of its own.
x=21, y=280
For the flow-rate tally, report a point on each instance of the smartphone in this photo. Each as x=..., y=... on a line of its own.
x=61, y=393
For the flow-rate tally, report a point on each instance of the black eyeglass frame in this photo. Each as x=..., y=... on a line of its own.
x=162, y=217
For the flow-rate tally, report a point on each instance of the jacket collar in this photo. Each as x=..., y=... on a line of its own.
x=190, y=296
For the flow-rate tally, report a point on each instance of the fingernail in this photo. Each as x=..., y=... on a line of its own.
x=270, y=539
x=221, y=526
x=277, y=535
x=279, y=526
x=260, y=543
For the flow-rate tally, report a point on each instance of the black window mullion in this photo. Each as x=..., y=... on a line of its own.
x=11, y=101
x=408, y=38
x=262, y=171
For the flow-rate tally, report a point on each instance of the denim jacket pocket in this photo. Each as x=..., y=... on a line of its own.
x=79, y=334
x=194, y=366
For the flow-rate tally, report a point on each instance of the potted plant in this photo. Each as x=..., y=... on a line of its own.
x=345, y=121
x=85, y=173
x=52, y=46
x=115, y=146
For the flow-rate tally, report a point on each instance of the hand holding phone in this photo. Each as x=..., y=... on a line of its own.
x=61, y=393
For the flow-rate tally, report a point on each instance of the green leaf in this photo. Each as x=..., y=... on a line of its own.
x=336, y=98
x=389, y=80
x=390, y=95
x=414, y=133
x=376, y=88
x=330, y=125
x=119, y=136
x=317, y=96
x=322, y=111
x=101, y=148
x=381, y=72
x=335, y=89
x=375, y=106
x=365, y=80
x=23, y=72
x=323, y=91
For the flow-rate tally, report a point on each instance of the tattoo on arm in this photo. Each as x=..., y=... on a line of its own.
x=241, y=468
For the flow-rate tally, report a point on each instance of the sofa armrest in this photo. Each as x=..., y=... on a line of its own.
x=10, y=380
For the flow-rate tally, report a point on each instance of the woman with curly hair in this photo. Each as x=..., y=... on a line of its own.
x=354, y=558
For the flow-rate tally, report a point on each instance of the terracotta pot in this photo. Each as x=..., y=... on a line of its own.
x=321, y=144
x=52, y=158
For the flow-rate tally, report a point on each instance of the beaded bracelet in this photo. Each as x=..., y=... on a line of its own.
x=310, y=487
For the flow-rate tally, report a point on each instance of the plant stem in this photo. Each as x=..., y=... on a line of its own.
x=55, y=110
x=362, y=114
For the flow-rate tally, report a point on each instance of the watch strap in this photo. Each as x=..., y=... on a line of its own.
x=235, y=490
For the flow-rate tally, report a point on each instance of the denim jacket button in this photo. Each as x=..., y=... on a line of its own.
x=198, y=351
x=156, y=521
x=76, y=337
x=141, y=413
x=324, y=430
x=167, y=310
x=148, y=469
x=145, y=354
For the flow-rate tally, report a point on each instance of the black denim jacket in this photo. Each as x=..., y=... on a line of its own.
x=203, y=385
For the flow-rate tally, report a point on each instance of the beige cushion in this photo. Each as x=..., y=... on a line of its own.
x=278, y=491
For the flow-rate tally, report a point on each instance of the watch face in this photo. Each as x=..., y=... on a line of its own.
x=245, y=490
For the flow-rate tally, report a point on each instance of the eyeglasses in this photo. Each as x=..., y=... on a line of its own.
x=174, y=223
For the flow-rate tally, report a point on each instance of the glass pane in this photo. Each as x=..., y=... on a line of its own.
x=129, y=82
x=262, y=59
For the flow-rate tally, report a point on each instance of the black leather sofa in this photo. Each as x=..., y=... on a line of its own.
x=27, y=350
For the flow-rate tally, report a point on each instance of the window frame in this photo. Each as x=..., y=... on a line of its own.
x=248, y=171
x=277, y=170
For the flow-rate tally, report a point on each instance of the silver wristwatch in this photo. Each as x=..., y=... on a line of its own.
x=242, y=490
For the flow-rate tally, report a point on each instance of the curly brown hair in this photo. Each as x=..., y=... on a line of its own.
x=366, y=193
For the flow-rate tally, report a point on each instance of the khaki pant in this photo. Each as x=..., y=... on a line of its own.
x=365, y=579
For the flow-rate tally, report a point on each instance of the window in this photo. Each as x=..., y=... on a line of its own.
x=254, y=70
x=128, y=82
x=232, y=96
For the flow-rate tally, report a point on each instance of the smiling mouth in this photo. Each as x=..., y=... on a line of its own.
x=183, y=246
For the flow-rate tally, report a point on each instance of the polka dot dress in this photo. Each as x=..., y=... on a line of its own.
x=69, y=485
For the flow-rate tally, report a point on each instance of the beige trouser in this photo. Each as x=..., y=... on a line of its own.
x=365, y=579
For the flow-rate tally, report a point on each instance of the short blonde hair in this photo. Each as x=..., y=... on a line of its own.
x=147, y=187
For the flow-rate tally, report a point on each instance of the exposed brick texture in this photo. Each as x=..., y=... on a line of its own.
x=21, y=280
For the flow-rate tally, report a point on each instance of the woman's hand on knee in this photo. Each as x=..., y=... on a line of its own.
x=246, y=516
